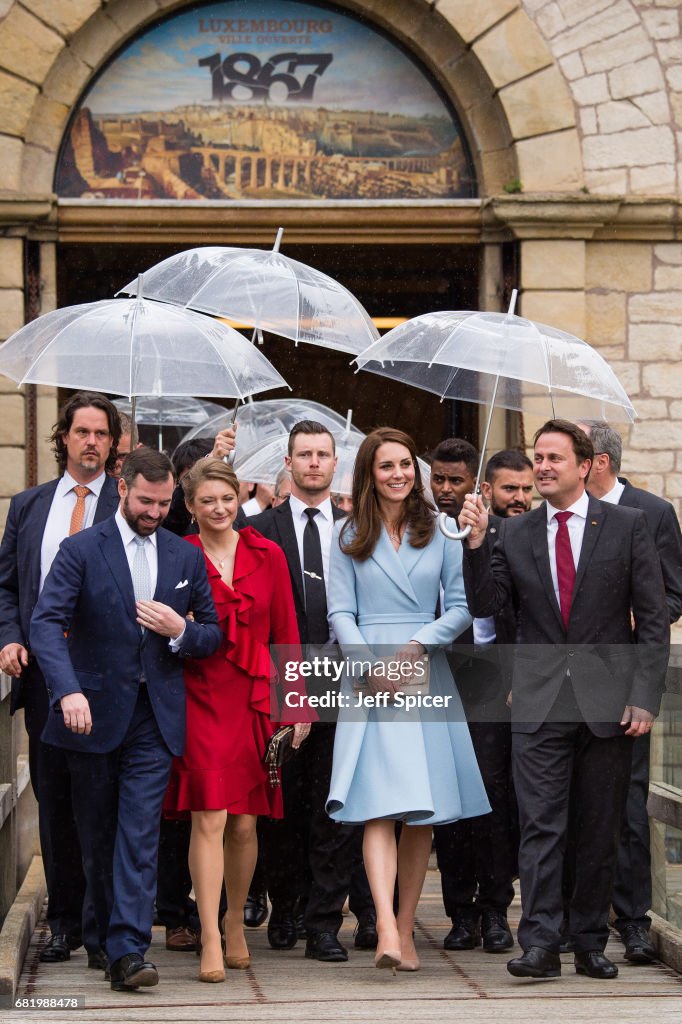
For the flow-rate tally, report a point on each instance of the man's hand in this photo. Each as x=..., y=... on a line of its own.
x=160, y=618
x=13, y=658
x=474, y=514
x=638, y=720
x=76, y=711
x=224, y=442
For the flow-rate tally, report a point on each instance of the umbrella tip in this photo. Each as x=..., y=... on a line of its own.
x=512, y=302
x=140, y=279
x=278, y=240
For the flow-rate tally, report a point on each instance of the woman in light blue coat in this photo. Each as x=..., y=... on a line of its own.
x=390, y=569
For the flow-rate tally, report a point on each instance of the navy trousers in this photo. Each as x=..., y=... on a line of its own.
x=117, y=799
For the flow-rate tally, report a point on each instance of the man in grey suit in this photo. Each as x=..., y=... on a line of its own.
x=632, y=888
x=584, y=683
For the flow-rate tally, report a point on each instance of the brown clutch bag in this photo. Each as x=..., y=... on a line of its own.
x=278, y=751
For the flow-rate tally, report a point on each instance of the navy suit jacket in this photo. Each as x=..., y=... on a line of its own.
x=89, y=593
x=20, y=581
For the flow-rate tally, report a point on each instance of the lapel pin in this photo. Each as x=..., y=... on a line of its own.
x=493, y=529
x=595, y=523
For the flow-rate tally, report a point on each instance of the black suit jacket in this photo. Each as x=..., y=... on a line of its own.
x=665, y=529
x=277, y=524
x=618, y=571
x=481, y=673
x=20, y=581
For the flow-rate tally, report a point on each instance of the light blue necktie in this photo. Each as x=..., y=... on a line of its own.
x=142, y=580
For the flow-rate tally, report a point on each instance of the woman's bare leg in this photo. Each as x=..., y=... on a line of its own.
x=241, y=852
x=206, y=869
x=381, y=864
x=414, y=849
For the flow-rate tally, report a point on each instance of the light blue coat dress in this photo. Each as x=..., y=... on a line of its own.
x=417, y=768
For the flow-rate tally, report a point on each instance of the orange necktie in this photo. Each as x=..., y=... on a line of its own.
x=78, y=514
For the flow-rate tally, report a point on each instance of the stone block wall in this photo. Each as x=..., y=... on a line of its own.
x=622, y=60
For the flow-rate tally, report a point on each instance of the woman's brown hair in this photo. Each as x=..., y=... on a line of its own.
x=208, y=469
x=364, y=522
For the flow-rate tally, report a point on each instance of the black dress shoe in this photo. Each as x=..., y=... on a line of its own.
x=536, y=962
x=594, y=964
x=639, y=948
x=497, y=938
x=255, y=909
x=97, y=960
x=132, y=971
x=326, y=947
x=464, y=934
x=366, y=933
x=56, y=950
x=281, y=929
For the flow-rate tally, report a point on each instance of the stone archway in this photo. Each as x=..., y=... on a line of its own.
x=489, y=58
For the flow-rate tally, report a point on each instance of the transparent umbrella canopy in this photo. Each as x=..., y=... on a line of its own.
x=265, y=289
x=462, y=354
x=499, y=359
x=259, y=423
x=137, y=347
x=179, y=411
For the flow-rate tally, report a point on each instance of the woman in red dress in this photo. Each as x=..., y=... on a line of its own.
x=221, y=778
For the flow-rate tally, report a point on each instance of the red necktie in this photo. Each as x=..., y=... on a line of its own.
x=565, y=566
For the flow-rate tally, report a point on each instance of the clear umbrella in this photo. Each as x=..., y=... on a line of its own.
x=265, y=289
x=259, y=423
x=178, y=411
x=502, y=359
x=137, y=347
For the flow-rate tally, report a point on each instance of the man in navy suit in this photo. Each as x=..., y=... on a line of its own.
x=584, y=684
x=117, y=696
x=85, y=442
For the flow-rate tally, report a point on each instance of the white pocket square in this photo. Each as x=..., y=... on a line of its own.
x=181, y=584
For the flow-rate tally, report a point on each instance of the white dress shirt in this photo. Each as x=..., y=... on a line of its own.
x=324, y=520
x=150, y=549
x=615, y=494
x=576, y=530
x=59, y=517
x=251, y=507
x=128, y=536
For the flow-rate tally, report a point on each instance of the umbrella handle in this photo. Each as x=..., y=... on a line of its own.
x=458, y=535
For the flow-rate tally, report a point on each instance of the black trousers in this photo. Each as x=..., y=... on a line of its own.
x=306, y=854
x=632, y=887
x=174, y=906
x=477, y=857
x=560, y=763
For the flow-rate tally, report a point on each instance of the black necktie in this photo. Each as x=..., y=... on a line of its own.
x=313, y=576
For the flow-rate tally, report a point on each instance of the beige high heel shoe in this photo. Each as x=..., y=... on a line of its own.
x=409, y=965
x=238, y=963
x=388, y=958
x=234, y=963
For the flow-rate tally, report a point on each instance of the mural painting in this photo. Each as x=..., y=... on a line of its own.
x=251, y=100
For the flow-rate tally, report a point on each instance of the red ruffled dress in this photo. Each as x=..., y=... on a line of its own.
x=228, y=694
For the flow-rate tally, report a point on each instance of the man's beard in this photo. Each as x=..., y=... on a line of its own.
x=135, y=523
